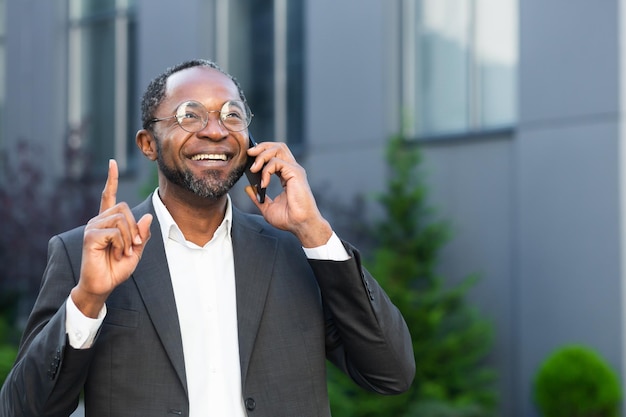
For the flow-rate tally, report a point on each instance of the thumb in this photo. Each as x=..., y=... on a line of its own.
x=144, y=231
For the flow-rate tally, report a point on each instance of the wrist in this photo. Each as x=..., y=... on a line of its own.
x=89, y=304
x=314, y=234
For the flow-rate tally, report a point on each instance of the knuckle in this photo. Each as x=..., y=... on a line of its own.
x=94, y=222
x=124, y=205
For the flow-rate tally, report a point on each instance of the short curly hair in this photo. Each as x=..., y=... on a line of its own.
x=155, y=92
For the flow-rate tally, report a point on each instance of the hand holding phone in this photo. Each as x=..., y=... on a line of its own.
x=254, y=177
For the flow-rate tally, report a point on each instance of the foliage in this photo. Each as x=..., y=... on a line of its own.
x=34, y=207
x=8, y=335
x=7, y=357
x=151, y=183
x=450, y=339
x=8, y=351
x=575, y=381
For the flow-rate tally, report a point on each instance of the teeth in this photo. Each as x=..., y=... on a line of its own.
x=208, y=156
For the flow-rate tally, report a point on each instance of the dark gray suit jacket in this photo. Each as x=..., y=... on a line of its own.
x=293, y=313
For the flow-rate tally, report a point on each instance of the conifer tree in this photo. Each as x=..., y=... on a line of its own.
x=450, y=339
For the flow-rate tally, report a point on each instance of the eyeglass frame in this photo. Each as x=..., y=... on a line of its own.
x=206, y=121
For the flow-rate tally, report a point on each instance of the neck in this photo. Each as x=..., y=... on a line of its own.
x=198, y=218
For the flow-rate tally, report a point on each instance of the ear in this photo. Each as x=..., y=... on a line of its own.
x=146, y=142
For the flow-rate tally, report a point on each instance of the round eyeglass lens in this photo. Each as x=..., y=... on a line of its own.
x=192, y=116
x=235, y=115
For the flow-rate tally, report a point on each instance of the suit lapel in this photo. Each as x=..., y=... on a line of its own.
x=254, y=255
x=153, y=281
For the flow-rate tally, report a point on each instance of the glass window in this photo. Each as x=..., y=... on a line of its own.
x=101, y=34
x=261, y=43
x=459, y=65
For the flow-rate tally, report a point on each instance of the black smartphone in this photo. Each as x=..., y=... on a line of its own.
x=254, y=177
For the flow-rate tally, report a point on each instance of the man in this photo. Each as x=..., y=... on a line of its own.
x=197, y=309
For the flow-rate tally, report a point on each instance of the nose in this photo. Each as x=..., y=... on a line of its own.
x=214, y=128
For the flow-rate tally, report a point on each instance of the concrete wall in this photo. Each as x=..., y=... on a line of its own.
x=346, y=84
x=36, y=78
x=569, y=274
x=472, y=185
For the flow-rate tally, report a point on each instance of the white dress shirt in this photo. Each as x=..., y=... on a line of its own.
x=203, y=280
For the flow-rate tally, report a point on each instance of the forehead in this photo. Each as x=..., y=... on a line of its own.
x=203, y=84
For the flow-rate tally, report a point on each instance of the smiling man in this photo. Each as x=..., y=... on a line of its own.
x=198, y=309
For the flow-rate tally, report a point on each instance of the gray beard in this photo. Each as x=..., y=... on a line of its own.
x=209, y=185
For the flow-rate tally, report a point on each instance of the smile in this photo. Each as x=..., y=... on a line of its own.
x=209, y=157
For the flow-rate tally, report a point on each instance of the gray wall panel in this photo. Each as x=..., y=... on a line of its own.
x=569, y=239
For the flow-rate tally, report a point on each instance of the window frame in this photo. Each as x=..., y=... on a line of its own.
x=408, y=70
x=122, y=17
x=282, y=74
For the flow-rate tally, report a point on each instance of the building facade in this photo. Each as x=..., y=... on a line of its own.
x=518, y=108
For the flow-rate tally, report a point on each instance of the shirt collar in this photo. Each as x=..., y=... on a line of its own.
x=170, y=230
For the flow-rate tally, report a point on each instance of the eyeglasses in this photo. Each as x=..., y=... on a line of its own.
x=192, y=116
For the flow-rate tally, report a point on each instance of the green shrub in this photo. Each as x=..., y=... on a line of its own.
x=8, y=351
x=450, y=339
x=575, y=381
x=7, y=357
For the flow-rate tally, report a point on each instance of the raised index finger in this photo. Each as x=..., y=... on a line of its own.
x=109, y=194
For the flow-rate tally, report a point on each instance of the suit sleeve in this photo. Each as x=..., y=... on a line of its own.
x=366, y=335
x=48, y=374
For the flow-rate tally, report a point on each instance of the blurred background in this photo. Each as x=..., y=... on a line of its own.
x=516, y=106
